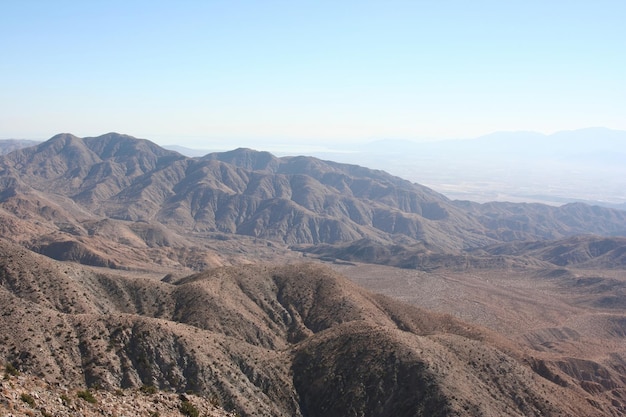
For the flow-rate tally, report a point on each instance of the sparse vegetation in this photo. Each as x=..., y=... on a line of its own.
x=188, y=409
x=10, y=370
x=28, y=399
x=148, y=389
x=87, y=396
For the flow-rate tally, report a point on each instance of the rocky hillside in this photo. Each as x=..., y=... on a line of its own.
x=578, y=251
x=296, y=340
x=127, y=268
x=67, y=187
x=27, y=395
x=588, y=252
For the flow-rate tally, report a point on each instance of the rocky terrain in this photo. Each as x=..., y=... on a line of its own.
x=27, y=395
x=265, y=340
x=139, y=274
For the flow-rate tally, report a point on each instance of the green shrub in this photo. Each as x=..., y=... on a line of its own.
x=28, y=399
x=148, y=389
x=188, y=409
x=67, y=401
x=9, y=369
x=87, y=396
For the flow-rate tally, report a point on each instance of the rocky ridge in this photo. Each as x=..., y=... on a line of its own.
x=265, y=340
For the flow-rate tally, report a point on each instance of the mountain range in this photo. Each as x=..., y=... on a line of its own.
x=586, y=165
x=127, y=265
x=152, y=195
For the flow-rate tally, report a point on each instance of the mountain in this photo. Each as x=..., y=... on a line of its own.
x=125, y=266
x=585, y=165
x=296, y=340
x=67, y=187
x=10, y=145
x=578, y=251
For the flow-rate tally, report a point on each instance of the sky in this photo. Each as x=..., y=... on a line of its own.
x=197, y=73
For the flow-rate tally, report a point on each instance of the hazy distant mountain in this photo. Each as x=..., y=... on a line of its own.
x=191, y=152
x=10, y=145
x=583, y=165
x=586, y=165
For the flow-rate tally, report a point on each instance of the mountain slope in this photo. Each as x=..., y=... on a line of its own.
x=297, y=340
x=578, y=251
x=67, y=182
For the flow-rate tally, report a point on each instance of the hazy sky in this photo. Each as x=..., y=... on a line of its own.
x=309, y=71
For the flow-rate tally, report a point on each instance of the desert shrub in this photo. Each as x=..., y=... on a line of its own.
x=188, y=409
x=215, y=401
x=28, y=399
x=67, y=401
x=9, y=369
x=148, y=389
x=87, y=396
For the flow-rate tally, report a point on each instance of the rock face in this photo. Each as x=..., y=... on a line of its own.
x=296, y=340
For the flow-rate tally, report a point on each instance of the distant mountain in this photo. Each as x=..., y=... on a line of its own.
x=10, y=145
x=587, y=165
x=191, y=152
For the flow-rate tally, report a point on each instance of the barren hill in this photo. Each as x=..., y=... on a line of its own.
x=265, y=340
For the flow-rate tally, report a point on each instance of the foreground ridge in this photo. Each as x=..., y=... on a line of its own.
x=294, y=340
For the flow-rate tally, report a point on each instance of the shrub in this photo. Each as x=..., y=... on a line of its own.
x=188, y=409
x=9, y=369
x=28, y=399
x=67, y=401
x=87, y=396
x=148, y=389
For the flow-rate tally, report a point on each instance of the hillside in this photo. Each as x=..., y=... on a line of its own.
x=27, y=395
x=266, y=340
x=117, y=201
x=582, y=252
